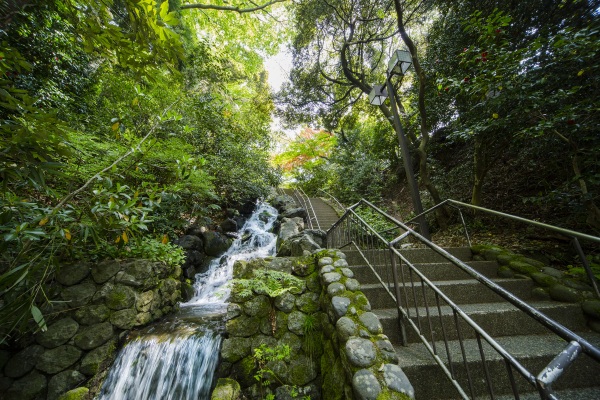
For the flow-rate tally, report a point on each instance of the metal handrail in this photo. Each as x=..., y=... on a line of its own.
x=340, y=205
x=309, y=208
x=573, y=235
x=542, y=382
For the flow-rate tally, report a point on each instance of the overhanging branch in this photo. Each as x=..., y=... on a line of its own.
x=231, y=8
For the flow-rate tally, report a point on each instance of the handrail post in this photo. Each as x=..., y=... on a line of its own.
x=586, y=266
x=555, y=369
x=401, y=322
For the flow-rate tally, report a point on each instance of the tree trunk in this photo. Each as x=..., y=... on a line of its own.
x=480, y=169
x=593, y=216
x=442, y=214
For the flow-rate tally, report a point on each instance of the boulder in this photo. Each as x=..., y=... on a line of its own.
x=94, y=336
x=308, y=302
x=93, y=314
x=58, y=333
x=371, y=322
x=119, y=297
x=80, y=393
x=395, y=379
x=103, y=271
x=214, y=243
x=285, y=302
x=193, y=264
x=226, y=389
x=296, y=322
x=360, y=352
x=62, y=382
x=235, y=348
x=242, y=326
x=229, y=225
x=124, y=319
x=58, y=359
x=79, y=295
x=257, y=306
x=365, y=385
x=72, y=274
x=32, y=386
x=301, y=370
x=190, y=242
x=297, y=212
x=23, y=362
x=92, y=361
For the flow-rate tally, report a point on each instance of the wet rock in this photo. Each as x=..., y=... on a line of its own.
x=91, y=362
x=260, y=340
x=190, y=242
x=229, y=225
x=360, y=352
x=58, y=333
x=144, y=301
x=214, y=243
x=62, y=382
x=305, y=243
x=282, y=264
x=365, y=385
x=58, y=359
x=23, y=362
x=94, y=336
x=72, y=274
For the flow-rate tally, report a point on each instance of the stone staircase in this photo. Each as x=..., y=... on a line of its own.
x=528, y=341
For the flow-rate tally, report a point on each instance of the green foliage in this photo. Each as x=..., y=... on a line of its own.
x=268, y=282
x=154, y=250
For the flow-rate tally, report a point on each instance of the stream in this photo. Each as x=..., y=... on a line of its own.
x=176, y=358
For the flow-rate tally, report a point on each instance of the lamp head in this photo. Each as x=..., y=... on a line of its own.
x=377, y=95
x=399, y=63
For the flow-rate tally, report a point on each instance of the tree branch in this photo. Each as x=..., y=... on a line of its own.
x=231, y=8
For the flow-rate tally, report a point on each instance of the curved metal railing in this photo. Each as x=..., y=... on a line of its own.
x=402, y=280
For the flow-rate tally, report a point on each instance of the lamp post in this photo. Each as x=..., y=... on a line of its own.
x=398, y=65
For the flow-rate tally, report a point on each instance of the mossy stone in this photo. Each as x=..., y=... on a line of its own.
x=506, y=258
x=333, y=380
x=308, y=302
x=523, y=267
x=540, y=293
x=242, y=326
x=504, y=271
x=563, y=293
x=313, y=283
x=235, y=348
x=58, y=359
x=257, y=306
x=91, y=362
x=301, y=370
x=544, y=280
x=478, y=248
x=120, y=297
x=226, y=389
x=536, y=263
x=591, y=308
x=491, y=254
x=79, y=393
x=243, y=371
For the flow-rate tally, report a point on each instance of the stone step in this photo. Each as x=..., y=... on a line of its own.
x=589, y=393
x=532, y=351
x=466, y=291
x=497, y=319
x=420, y=256
x=433, y=271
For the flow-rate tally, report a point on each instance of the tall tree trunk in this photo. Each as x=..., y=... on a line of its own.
x=480, y=169
x=442, y=214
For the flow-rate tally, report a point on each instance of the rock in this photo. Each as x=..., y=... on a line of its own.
x=293, y=213
x=491, y=253
x=229, y=225
x=506, y=258
x=143, y=273
x=395, y=379
x=371, y=322
x=305, y=243
x=144, y=301
x=214, y=243
x=345, y=328
x=540, y=293
x=296, y=321
x=347, y=272
x=313, y=283
x=4, y=357
x=505, y=271
x=23, y=362
x=352, y=285
x=563, y=293
x=591, y=308
x=260, y=340
x=340, y=306
x=190, y=242
x=523, y=267
x=308, y=302
x=80, y=393
x=226, y=389
x=5, y=383
x=335, y=288
x=360, y=352
x=62, y=382
x=236, y=348
x=325, y=261
x=104, y=270
x=93, y=314
x=327, y=269
x=58, y=359
x=538, y=264
x=574, y=284
x=193, y=264
x=331, y=277
x=287, y=392
x=124, y=319
x=72, y=274
x=58, y=333
x=119, y=297
x=242, y=326
x=319, y=236
x=388, y=353
x=543, y=280
x=91, y=362
x=365, y=385
x=143, y=318
x=233, y=311
x=94, y=336
x=78, y=295
x=285, y=302
x=301, y=370
x=304, y=268
x=553, y=272
x=32, y=386
x=341, y=263
x=257, y=306
x=282, y=264
x=362, y=302
x=291, y=340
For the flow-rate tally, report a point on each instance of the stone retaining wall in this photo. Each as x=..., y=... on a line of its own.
x=96, y=304
x=338, y=349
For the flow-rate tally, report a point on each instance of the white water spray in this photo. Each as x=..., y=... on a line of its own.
x=179, y=363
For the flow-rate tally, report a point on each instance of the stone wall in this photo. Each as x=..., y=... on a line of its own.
x=95, y=305
x=338, y=349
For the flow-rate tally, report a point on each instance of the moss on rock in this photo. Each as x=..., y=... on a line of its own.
x=79, y=393
x=226, y=389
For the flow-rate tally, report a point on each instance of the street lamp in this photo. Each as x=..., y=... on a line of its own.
x=398, y=65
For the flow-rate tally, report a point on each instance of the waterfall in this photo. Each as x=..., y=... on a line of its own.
x=176, y=359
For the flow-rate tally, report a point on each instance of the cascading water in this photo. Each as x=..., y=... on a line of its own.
x=176, y=359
